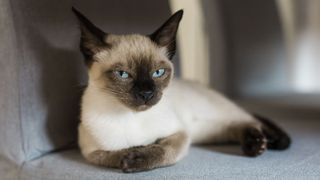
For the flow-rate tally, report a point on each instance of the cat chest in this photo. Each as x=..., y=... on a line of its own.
x=125, y=133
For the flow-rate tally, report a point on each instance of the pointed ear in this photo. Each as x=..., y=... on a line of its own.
x=92, y=38
x=165, y=36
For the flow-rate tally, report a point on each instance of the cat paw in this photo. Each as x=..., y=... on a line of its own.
x=141, y=159
x=277, y=138
x=254, y=142
x=133, y=161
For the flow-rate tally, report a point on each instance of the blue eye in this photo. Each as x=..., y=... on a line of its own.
x=122, y=74
x=158, y=73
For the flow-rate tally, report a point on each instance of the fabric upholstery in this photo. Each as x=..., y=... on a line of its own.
x=301, y=161
x=42, y=69
x=10, y=127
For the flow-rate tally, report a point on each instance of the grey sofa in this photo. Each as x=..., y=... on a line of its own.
x=41, y=73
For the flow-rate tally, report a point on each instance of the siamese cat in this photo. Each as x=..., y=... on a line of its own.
x=135, y=116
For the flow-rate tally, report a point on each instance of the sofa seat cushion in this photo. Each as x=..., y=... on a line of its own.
x=301, y=161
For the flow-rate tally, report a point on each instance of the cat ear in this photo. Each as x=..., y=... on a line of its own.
x=165, y=36
x=92, y=38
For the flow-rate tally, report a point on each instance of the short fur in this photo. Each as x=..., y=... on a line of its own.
x=121, y=128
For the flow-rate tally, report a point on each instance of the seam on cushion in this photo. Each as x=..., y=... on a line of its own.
x=19, y=49
x=68, y=147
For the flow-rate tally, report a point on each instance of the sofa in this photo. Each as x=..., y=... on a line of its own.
x=42, y=77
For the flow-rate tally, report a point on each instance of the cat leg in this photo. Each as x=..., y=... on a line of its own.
x=109, y=159
x=163, y=152
x=248, y=133
x=277, y=139
x=256, y=136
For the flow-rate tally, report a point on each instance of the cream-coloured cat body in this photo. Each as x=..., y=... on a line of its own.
x=135, y=117
x=204, y=114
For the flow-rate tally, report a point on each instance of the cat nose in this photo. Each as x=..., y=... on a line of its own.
x=145, y=95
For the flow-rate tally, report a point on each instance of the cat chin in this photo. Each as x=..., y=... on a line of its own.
x=143, y=107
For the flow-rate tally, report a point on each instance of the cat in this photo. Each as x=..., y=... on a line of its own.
x=135, y=116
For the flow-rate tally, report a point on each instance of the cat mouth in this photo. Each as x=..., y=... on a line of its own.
x=144, y=105
x=137, y=104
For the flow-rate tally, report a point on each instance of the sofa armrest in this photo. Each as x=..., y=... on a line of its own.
x=10, y=125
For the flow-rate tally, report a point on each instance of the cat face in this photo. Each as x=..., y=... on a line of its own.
x=135, y=69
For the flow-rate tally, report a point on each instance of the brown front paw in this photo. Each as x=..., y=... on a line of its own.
x=142, y=159
x=133, y=161
x=254, y=142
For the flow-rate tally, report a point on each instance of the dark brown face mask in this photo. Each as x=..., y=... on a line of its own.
x=138, y=81
x=141, y=87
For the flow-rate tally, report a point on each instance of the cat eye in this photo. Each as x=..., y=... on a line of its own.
x=158, y=73
x=122, y=74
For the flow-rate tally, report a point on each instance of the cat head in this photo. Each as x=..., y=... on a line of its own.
x=134, y=68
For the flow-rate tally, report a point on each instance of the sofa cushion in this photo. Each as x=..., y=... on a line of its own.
x=301, y=161
x=10, y=126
